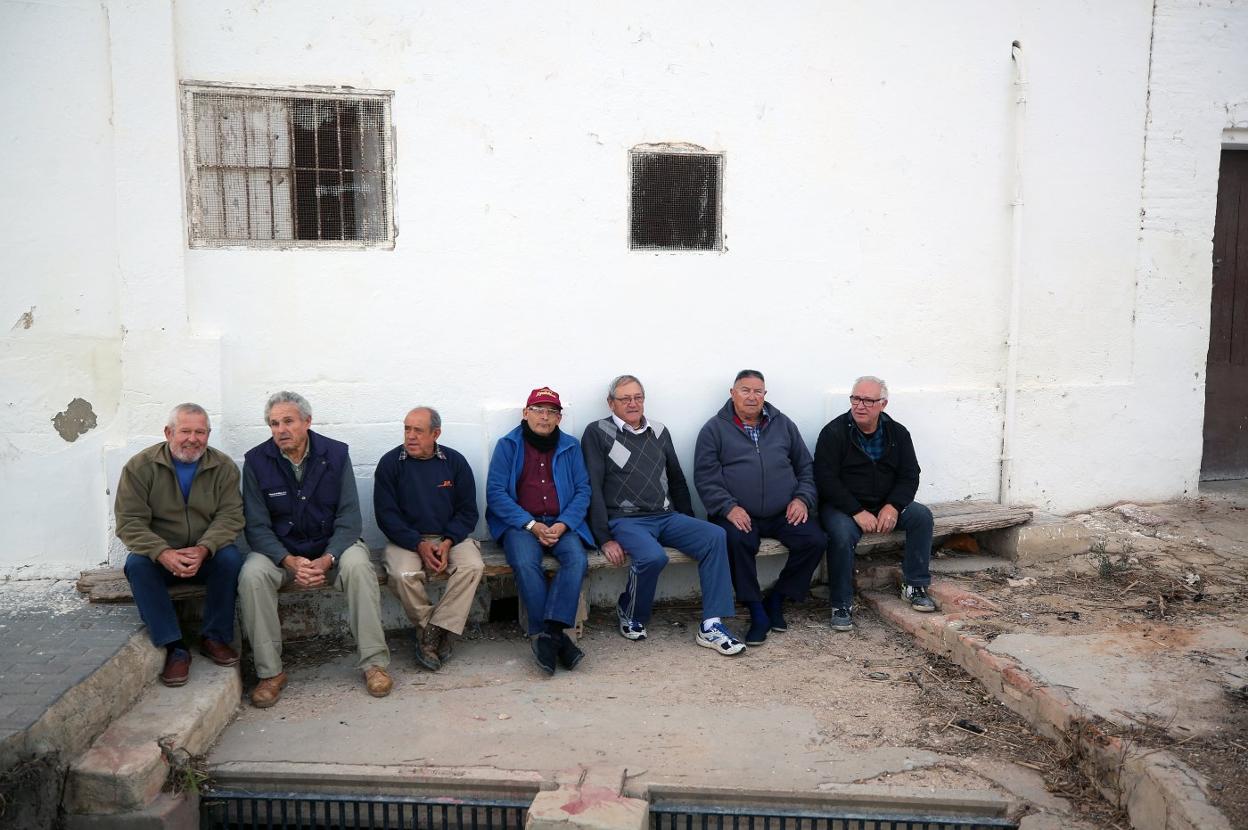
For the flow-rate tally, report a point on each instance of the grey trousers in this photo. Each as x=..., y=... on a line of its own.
x=260, y=581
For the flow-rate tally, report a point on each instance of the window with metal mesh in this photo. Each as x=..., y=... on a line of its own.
x=289, y=169
x=676, y=201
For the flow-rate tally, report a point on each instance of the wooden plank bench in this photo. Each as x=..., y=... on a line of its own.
x=110, y=585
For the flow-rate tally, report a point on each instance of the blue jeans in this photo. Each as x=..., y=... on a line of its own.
x=559, y=601
x=149, y=582
x=843, y=536
x=643, y=539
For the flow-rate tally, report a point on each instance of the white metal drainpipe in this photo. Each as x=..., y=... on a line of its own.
x=1016, y=277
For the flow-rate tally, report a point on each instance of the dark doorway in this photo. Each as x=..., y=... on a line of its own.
x=1226, y=380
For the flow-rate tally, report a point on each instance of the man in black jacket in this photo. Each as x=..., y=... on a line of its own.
x=867, y=475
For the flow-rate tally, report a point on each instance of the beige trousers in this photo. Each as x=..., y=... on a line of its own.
x=260, y=581
x=407, y=578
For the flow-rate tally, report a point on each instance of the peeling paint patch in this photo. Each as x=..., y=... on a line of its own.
x=26, y=320
x=77, y=418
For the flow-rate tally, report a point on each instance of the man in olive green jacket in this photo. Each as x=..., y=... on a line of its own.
x=179, y=511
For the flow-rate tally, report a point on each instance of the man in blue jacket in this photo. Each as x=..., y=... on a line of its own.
x=867, y=475
x=425, y=499
x=753, y=474
x=304, y=526
x=536, y=498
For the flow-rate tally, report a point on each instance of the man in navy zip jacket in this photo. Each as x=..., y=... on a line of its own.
x=425, y=500
x=304, y=526
x=753, y=474
x=536, y=498
x=867, y=474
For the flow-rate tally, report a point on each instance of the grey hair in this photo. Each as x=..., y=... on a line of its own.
x=188, y=409
x=435, y=420
x=874, y=379
x=305, y=408
x=749, y=373
x=620, y=381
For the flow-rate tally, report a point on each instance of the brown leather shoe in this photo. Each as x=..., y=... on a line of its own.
x=219, y=653
x=177, y=667
x=378, y=681
x=268, y=691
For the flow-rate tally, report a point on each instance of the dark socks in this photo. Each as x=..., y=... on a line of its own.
x=758, y=613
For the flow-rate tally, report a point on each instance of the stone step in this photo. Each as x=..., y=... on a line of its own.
x=127, y=766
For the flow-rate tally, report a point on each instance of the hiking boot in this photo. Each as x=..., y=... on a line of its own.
x=917, y=596
x=570, y=655
x=842, y=620
x=377, y=681
x=427, y=648
x=268, y=691
x=630, y=629
x=720, y=639
x=546, y=652
x=177, y=667
x=775, y=612
x=443, y=645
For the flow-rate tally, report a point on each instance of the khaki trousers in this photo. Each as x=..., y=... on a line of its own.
x=407, y=578
x=354, y=576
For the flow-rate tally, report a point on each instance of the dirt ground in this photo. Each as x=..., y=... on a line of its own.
x=1158, y=599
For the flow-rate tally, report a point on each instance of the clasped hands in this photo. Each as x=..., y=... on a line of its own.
x=883, y=522
x=548, y=535
x=308, y=573
x=183, y=562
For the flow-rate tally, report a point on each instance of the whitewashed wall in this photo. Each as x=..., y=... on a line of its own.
x=869, y=174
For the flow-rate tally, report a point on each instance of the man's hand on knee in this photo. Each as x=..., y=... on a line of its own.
x=740, y=519
x=886, y=521
x=866, y=521
x=614, y=552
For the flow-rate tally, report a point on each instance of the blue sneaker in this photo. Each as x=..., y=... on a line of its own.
x=842, y=620
x=630, y=629
x=720, y=639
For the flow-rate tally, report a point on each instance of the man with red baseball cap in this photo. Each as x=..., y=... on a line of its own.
x=537, y=495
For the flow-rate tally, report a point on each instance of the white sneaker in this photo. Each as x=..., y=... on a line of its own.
x=720, y=639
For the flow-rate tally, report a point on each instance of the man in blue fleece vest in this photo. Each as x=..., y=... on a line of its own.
x=639, y=503
x=425, y=499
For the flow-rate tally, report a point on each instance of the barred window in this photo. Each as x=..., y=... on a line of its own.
x=675, y=203
x=282, y=169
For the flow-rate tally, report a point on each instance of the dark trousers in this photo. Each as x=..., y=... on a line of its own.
x=843, y=536
x=149, y=582
x=805, y=542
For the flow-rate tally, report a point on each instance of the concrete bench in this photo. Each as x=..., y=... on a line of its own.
x=110, y=585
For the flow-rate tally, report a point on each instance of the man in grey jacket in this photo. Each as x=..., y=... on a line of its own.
x=755, y=477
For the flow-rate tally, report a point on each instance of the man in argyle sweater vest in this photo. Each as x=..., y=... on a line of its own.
x=639, y=503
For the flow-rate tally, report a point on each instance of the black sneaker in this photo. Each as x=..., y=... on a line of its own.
x=570, y=656
x=545, y=650
x=842, y=620
x=917, y=596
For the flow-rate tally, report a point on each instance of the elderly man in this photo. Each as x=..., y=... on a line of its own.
x=753, y=473
x=425, y=499
x=639, y=503
x=178, y=513
x=304, y=525
x=867, y=475
x=536, y=498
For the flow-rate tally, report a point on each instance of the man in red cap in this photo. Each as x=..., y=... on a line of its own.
x=537, y=495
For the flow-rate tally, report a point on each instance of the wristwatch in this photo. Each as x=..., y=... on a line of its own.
x=529, y=526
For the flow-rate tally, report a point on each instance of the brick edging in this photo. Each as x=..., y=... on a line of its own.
x=1158, y=790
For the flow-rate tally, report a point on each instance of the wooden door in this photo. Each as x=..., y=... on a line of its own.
x=1226, y=380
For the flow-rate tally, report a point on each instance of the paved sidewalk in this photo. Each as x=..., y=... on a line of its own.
x=51, y=639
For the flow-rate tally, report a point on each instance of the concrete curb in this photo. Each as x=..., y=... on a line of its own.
x=127, y=766
x=1158, y=790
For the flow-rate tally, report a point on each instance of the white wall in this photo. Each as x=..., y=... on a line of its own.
x=869, y=173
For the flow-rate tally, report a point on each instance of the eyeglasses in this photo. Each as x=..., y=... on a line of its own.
x=631, y=398
x=858, y=400
x=545, y=410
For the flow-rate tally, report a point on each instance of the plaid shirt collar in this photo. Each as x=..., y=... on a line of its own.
x=437, y=453
x=757, y=429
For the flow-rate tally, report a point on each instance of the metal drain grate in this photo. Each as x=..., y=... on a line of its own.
x=702, y=817
x=240, y=810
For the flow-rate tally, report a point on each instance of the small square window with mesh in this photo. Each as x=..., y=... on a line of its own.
x=286, y=169
x=675, y=201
